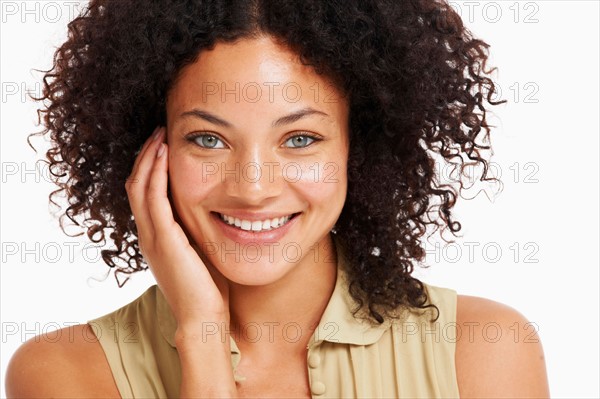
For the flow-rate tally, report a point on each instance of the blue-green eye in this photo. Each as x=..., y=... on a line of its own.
x=300, y=141
x=208, y=141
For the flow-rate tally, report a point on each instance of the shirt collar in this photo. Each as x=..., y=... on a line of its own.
x=337, y=325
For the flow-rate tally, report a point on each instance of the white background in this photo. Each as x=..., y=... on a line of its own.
x=534, y=246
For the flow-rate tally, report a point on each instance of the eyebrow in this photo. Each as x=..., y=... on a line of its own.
x=284, y=120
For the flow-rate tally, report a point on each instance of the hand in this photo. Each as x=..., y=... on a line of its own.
x=195, y=297
x=194, y=293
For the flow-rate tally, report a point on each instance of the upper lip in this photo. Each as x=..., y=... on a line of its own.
x=255, y=216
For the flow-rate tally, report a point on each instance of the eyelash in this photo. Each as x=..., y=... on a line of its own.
x=314, y=137
x=193, y=136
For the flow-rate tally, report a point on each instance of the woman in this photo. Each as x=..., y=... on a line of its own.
x=279, y=203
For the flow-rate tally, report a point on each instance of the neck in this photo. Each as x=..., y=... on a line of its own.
x=287, y=311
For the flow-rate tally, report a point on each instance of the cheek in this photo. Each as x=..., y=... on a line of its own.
x=190, y=179
x=324, y=184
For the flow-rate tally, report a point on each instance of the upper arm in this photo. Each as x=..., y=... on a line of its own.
x=498, y=352
x=65, y=363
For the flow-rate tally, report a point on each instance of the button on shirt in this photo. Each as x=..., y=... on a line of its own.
x=347, y=357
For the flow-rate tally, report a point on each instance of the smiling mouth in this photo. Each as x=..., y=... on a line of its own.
x=256, y=226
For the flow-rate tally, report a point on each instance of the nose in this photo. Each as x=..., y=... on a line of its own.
x=252, y=177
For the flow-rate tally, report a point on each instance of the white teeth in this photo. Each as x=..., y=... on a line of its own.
x=257, y=225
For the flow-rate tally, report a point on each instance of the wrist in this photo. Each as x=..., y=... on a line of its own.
x=210, y=330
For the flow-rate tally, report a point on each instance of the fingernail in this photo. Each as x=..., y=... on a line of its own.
x=156, y=133
x=161, y=150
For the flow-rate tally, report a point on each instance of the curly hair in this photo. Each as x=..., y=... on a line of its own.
x=417, y=84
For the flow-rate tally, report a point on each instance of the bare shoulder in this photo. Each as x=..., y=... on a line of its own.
x=66, y=363
x=498, y=352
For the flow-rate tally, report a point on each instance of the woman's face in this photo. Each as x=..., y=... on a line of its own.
x=256, y=138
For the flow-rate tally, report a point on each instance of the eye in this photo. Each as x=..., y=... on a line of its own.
x=301, y=140
x=207, y=140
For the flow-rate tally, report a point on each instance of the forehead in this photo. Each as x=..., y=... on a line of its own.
x=252, y=73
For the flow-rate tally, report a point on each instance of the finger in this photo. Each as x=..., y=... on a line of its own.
x=143, y=163
x=158, y=201
x=136, y=191
x=133, y=176
x=144, y=149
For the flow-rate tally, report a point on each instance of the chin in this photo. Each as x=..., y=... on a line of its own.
x=259, y=273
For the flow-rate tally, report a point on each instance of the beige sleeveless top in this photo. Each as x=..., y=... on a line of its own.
x=347, y=357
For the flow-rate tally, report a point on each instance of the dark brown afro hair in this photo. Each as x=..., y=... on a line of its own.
x=415, y=78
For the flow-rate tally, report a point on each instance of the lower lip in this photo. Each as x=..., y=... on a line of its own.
x=255, y=237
